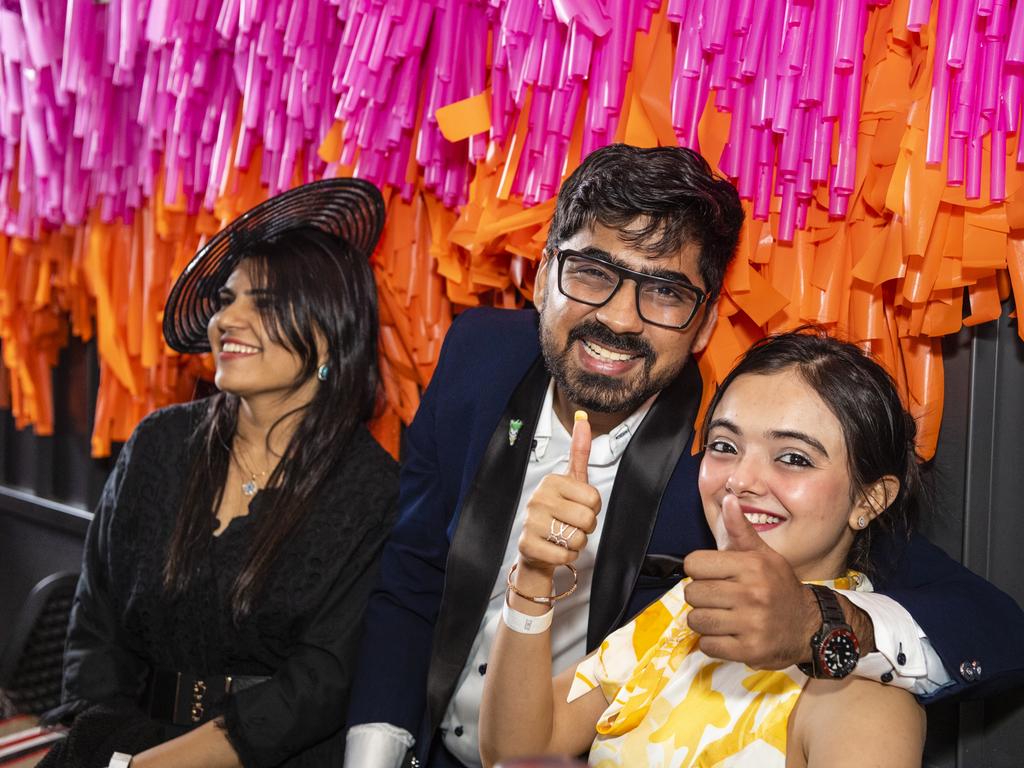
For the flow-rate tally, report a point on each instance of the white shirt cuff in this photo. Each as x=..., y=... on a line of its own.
x=903, y=655
x=377, y=745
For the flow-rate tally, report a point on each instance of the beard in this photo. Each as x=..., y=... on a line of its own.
x=594, y=391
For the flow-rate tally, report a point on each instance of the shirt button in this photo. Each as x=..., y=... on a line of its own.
x=458, y=730
x=901, y=658
x=482, y=669
x=887, y=677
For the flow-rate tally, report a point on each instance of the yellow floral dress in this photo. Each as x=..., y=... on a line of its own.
x=671, y=705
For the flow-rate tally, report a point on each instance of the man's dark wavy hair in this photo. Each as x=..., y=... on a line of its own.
x=673, y=188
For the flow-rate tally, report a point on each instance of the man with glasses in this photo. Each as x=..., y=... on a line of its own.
x=626, y=291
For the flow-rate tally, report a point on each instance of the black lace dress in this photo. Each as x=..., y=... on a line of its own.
x=302, y=634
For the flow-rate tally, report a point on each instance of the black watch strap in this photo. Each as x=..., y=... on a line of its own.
x=828, y=603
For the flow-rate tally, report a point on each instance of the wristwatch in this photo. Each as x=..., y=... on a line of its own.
x=834, y=648
x=120, y=760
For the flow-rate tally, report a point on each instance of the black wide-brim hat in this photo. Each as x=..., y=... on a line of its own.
x=350, y=210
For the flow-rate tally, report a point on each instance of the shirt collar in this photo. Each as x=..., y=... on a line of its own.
x=605, y=449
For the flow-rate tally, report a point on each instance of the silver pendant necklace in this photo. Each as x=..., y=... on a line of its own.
x=250, y=486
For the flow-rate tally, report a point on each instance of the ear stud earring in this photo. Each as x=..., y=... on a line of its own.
x=862, y=522
x=323, y=372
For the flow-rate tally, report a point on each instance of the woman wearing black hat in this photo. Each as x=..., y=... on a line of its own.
x=229, y=562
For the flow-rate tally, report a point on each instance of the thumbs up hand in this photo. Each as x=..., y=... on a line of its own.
x=748, y=605
x=562, y=511
x=734, y=532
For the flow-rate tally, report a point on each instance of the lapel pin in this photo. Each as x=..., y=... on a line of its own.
x=513, y=430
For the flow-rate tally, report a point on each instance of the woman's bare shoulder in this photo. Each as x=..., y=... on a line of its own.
x=855, y=722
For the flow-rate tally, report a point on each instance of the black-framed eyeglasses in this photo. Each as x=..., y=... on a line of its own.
x=659, y=300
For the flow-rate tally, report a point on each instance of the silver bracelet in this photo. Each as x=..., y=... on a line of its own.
x=119, y=760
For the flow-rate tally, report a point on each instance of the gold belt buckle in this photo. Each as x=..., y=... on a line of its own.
x=198, y=692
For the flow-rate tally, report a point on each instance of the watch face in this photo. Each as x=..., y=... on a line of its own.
x=839, y=653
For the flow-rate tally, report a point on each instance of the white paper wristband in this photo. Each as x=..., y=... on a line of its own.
x=524, y=623
x=120, y=760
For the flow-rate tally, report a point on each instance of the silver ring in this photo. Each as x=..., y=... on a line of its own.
x=562, y=535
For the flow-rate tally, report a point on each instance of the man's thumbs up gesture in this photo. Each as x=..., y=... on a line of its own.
x=747, y=603
x=563, y=509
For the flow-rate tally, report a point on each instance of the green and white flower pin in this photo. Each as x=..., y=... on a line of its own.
x=513, y=430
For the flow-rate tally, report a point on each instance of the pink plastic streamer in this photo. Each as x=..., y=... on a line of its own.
x=976, y=89
x=434, y=52
x=790, y=74
x=99, y=101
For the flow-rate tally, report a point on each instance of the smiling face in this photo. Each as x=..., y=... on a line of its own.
x=607, y=359
x=250, y=363
x=777, y=447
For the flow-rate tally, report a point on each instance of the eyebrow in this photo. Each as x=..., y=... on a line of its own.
x=665, y=274
x=725, y=424
x=250, y=292
x=775, y=434
x=788, y=434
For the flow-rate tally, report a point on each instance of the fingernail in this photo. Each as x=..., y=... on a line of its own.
x=579, y=416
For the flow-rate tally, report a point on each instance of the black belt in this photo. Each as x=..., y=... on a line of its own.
x=186, y=699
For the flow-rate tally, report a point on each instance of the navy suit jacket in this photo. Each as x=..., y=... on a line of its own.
x=486, y=356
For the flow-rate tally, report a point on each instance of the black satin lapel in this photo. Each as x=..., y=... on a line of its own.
x=478, y=545
x=644, y=471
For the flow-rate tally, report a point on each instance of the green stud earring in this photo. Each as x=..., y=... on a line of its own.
x=323, y=372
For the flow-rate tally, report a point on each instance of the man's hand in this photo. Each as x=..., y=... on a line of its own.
x=562, y=511
x=748, y=605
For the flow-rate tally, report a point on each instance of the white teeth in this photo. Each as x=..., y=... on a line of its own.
x=241, y=349
x=606, y=354
x=761, y=518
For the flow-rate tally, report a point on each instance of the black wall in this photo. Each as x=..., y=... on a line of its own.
x=47, y=484
x=979, y=520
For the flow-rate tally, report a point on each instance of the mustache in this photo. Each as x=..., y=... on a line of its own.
x=601, y=334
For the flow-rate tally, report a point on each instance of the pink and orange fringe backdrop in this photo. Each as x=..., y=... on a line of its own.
x=876, y=144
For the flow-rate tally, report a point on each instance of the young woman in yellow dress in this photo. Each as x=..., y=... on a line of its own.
x=808, y=450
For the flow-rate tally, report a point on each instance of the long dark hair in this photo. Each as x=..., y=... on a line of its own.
x=878, y=431
x=317, y=286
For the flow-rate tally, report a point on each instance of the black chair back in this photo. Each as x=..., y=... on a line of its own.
x=31, y=663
